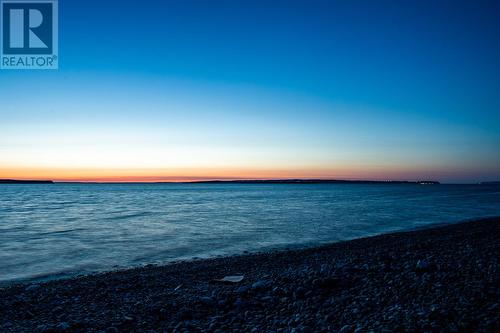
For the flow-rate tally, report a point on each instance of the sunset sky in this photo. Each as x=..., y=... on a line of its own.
x=189, y=90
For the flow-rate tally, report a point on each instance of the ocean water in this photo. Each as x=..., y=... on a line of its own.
x=50, y=231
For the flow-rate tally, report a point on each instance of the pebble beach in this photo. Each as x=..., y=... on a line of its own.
x=438, y=279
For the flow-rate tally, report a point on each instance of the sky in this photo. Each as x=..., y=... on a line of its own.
x=188, y=90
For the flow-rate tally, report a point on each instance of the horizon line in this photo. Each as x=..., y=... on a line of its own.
x=249, y=180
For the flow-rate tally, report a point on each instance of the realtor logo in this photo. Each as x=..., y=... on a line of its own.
x=29, y=34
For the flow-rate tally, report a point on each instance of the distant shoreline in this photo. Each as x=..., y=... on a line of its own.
x=316, y=181
x=16, y=181
x=238, y=181
x=254, y=181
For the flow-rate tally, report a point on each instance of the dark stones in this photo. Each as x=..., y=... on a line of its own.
x=62, y=327
x=300, y=292
x=58, y=309
x=207, y=301
x=346, y=329
x=243, y=289
x=32, y=287
x=422, y=265
x=373, y=284
x=239, y=302
x=45, y=329
x=327, y=283
x=267, y=299
x=112, y=329
x=261, y=284
x=184, y=314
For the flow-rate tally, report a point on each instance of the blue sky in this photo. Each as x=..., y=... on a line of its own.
x=336, y=89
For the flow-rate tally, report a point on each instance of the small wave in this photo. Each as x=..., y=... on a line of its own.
x=66, y=231
x=127, y=216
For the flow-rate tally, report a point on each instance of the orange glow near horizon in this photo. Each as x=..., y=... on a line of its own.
x=192, y=174
x=151, y=175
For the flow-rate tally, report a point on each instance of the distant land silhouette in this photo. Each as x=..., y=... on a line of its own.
x=491, y=183
x=252, y=181
x=317, y=181
x=14, y=181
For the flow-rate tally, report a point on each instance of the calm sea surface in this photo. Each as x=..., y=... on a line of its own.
x=58, y=230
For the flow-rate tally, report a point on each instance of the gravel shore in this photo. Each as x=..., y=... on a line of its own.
x=433, y=280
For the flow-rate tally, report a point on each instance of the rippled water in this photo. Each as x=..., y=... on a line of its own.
x=57, y=230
